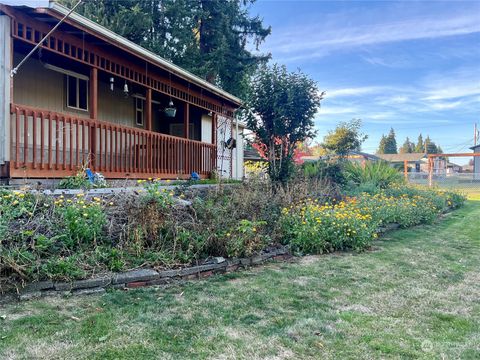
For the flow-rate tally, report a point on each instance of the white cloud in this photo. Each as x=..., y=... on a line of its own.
x=353, y=91
x=304, y=42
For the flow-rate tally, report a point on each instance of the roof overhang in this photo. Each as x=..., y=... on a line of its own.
x=60, y=11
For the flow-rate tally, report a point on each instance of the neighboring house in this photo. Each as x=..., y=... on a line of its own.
x=89, y=97
x=476, y=162
x=353, y=156
x=416, y=162
x=453, y=168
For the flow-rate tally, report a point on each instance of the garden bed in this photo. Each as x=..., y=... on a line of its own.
x=67, y=238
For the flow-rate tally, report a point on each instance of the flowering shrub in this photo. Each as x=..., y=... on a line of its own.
x=313, y=228
x=80, y=221
x=310, y=227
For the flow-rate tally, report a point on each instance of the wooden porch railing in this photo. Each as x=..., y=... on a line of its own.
x=46, y=144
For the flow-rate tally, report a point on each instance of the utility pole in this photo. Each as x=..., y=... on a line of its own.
x=475, y=134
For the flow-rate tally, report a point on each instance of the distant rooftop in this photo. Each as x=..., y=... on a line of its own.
x=409, y=157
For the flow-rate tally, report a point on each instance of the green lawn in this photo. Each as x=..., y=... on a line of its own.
x=416, y=295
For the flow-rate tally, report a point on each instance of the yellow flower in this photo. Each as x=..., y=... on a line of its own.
x=85, y=214
x=80, y=195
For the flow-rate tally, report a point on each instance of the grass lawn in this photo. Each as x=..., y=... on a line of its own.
x=417, y=295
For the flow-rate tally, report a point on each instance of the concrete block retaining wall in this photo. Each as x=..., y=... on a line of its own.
x=146, y=277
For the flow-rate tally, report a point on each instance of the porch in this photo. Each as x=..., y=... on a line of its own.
x=46, y=144
x=88, y=98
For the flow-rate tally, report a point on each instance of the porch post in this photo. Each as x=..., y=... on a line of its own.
x=6, y=88
x=93, y=114
x=213, y=162
x=186, y=116
x=148, y=109
x=405, y=170
x=186, y=157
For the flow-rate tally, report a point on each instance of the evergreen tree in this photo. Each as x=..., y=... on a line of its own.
x=210, y=38
x=390, y=143
x=381, y=146
x=420, y=147
x=431, y=147
x=407, y=147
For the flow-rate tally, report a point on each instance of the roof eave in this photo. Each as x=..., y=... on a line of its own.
x=96, y=28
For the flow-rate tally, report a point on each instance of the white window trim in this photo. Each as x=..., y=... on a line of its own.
x=144, y=98
x=78, y=93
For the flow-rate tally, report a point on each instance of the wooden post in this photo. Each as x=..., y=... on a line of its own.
x=148, y=109
x=405, y=170
x=186, y=116
x=214, y=154
x=430, y=171
x=214, y=129
x=186, y=135
x=93, y=114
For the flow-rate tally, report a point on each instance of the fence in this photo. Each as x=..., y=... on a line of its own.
x=455, y=172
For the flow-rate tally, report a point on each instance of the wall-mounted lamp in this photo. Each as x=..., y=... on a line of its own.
x=210, y=113
x=125, y=89
x=112, y=81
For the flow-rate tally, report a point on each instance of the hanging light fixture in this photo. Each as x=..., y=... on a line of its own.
x=170, y=110
x=125, y=89
x=112, y=81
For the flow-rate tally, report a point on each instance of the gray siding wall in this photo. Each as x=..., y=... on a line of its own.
x=38, y=86
x=5, y=68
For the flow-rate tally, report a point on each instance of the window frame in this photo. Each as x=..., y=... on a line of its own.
x=141, y=109
x=77, y=87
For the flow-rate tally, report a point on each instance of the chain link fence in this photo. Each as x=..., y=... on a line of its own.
x=468, y=183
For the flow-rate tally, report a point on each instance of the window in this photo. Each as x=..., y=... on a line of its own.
x=77, y=93
x=139, y=106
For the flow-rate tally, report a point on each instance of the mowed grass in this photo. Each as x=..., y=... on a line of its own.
x=416, y=295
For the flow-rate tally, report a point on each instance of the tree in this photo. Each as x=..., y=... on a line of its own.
x=431, y=147
x=407, y=147
x=382, y=144
x=345, y=138
x=420, y=147
x=210, y=38
x=388, y=144
x=281, y=108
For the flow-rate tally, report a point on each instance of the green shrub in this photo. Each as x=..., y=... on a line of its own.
x=77, y=181
x=80, y=222
x=377, y=174
x=329, y=170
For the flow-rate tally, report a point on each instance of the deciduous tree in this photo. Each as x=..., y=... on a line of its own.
x=281, y=108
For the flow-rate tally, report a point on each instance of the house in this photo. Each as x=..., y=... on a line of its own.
x=416, y=163
x=353, y=156
x=91, y=98
x=453, y=168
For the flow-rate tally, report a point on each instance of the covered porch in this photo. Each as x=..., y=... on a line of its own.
x=114, y=121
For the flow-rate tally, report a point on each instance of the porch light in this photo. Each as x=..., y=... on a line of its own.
x=125, y=89
x=171, y=110
x=112, y=81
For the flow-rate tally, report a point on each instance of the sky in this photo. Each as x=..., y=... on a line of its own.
x=410, y=65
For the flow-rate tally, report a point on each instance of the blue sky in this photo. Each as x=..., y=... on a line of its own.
x=410, y=65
